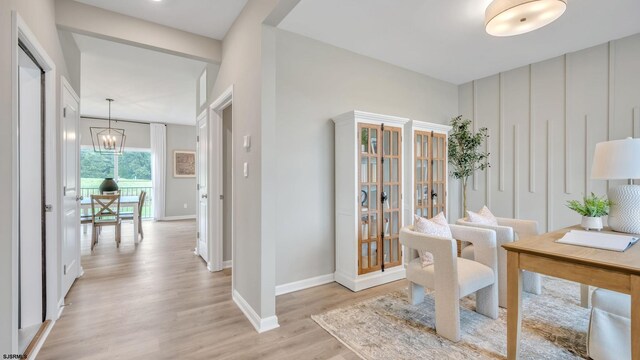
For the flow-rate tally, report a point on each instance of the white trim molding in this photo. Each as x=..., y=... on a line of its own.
x=227, y=264
x=175, y=218
x=304, y=284
x=260, y=324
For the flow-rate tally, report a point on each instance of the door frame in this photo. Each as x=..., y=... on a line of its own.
x=203, y=116
x=216, y=179
x=20, y=32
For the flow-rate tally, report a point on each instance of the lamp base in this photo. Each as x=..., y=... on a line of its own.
x=624, y=215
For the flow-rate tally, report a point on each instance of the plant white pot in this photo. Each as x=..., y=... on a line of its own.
x=591, y=223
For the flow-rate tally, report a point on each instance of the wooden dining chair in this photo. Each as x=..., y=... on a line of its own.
x=105, y=211
x=129, y=216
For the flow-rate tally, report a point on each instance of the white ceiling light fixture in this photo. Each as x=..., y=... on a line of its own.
x=515, y=17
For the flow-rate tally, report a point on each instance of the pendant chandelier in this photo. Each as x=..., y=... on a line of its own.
x=108, y=140
x=515, y=17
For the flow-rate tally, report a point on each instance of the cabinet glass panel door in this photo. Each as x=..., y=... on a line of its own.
x=368, y=175
x=392, y=207
x=430, y=173
x=379, y=170
x=422, y=177
x=439, y=176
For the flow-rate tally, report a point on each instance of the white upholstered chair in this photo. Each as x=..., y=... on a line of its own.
x=452, y=277
x=507, y=230
x=610, y=326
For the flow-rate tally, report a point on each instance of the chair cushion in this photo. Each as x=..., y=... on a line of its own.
x=612, y=302
x=472, y=275
x=436, y=226
x=484, y=216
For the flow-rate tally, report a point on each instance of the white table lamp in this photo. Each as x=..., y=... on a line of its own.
x=617, y=160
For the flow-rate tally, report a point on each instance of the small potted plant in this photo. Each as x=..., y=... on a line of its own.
x=592, y=208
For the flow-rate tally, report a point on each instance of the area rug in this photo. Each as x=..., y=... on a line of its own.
x=554, y=326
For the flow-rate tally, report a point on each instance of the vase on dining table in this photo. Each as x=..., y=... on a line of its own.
x=108, y=185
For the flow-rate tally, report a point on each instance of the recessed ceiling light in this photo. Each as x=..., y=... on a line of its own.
x=515, y=17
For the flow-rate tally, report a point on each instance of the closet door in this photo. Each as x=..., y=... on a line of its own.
x=369, y=210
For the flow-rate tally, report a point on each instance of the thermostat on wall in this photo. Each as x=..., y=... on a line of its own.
x=247, y=142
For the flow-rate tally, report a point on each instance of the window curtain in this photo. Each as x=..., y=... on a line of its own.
x=158, y=170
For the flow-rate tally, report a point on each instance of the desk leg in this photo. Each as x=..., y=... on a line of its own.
x=135, y=223
x=635, y=317
x=514, y=304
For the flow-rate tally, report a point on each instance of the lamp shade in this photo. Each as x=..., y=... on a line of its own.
x=617, y=159
x=514, y=17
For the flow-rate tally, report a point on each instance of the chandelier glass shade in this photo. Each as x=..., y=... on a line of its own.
x=108, y=140
x=515, y=17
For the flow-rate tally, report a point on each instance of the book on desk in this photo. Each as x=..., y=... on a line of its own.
x=599, y=240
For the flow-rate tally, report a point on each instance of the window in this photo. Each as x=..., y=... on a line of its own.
x=131, y=170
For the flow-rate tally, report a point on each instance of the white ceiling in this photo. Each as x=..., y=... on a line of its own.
x=146, y=85
x=211, y=18
x=446, y=39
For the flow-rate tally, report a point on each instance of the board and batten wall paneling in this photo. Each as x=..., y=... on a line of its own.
x=544, y=120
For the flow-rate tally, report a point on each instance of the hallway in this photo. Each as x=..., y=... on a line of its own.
x=157, y=300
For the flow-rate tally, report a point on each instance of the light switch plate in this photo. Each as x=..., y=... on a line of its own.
x=246, y=169
x=247, y=142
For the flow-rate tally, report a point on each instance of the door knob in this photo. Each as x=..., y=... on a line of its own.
x=79, y=198
x=204, y=196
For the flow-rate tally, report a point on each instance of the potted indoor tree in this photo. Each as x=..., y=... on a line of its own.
x=592, y=208
x=465, y=155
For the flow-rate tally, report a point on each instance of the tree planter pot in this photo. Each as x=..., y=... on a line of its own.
x=592, y=223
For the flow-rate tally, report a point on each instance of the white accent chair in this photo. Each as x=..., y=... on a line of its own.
x=508, y=230
x=609, y=335
x=455, y=277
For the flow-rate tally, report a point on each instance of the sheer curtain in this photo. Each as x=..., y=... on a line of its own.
x=158, y=171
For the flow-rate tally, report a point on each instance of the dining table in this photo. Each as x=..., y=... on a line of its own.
x=125, y=201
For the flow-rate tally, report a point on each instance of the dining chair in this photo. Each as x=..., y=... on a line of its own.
x=105, y=211
x=129, y=216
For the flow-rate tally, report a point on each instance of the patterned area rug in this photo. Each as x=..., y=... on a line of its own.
x=554, y=326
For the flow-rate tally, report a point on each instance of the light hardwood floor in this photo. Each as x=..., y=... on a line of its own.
x=157, y=300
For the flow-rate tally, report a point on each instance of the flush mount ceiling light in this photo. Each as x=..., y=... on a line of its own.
x=515, y=17
x=108, y=140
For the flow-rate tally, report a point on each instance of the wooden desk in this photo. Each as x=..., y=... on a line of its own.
x=617, y=271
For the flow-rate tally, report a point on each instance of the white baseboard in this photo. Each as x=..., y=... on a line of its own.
x=261, y=325
x=174, y=218
x=60, y=309
x=227, y=264
x=366, y=281
x=304, y=284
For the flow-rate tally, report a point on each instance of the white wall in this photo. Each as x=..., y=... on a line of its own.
x=544, y=121
x=315, y=82
x=241, y=67
x=39, y=16
x=179, y=191
x=72, y=57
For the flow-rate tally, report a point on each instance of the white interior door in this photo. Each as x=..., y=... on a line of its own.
x=203, y=200
x=71, y=268
x=31, y=212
